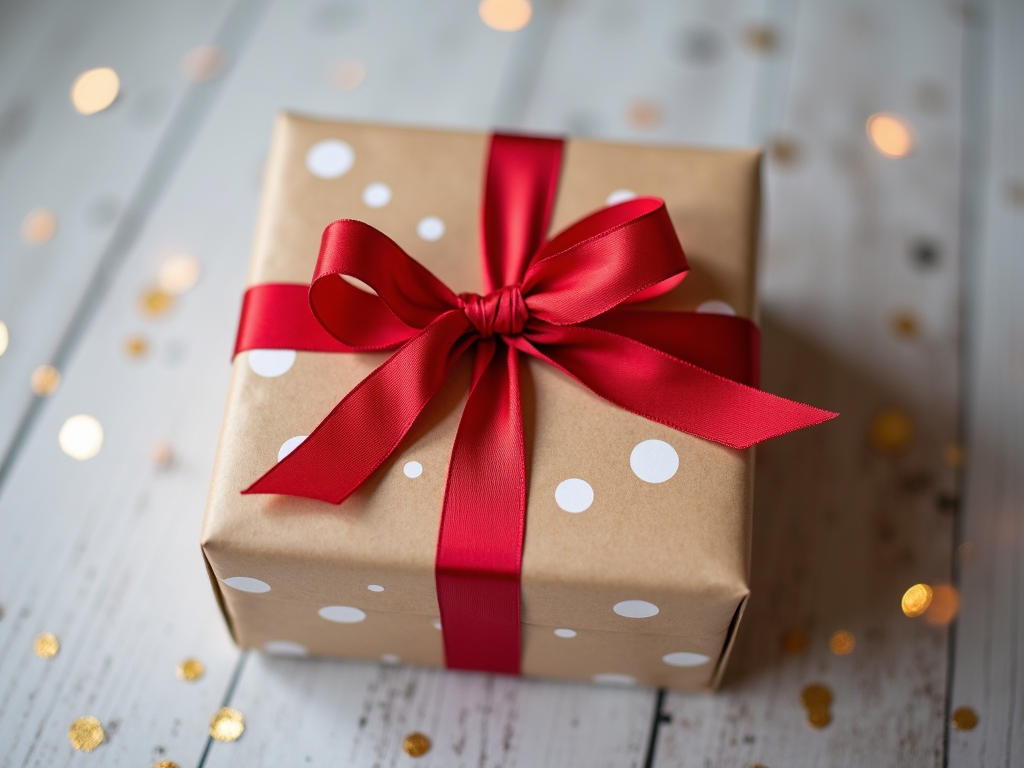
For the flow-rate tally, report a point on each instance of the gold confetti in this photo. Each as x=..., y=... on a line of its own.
x=81, y=437
x=644, y=114
x=38, y=227
x=761, y=38
x=891, y=431
x=505, y=15
x=178, y=274
x=964, y=719
x=904, y=324
x=916, y=600
x=191, y=670
x=95, y=90
x=842, y=642
x=785, y=151
x=161, y=454
x=347, y=74
x=4, y=337
x=85, y=734
x=816, y=696
x=416, y=744
x=155, y=302
x=794, y=641
x=227, y=724
x=944, y=607
x=890, y=134
x=46, y=645
x=202, y=63
x=136, y=346
x=966, y=553
x=954, y=455
x=165, y=764
x=819, y=717
x=44, y=381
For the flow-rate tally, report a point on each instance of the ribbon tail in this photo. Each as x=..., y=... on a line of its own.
x=366, y=427
x=480, y=544
x=653, y=384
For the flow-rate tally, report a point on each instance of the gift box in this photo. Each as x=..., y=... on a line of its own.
x=635, y=557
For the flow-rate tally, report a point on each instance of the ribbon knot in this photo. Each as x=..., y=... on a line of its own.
x=501, y=312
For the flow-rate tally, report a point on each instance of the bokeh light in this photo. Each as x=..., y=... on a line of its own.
x=202, y=63
x=95, y=90
x=38, y=227
x=944, y=607
x=506, y=15
x=842, y=642
x=81, y=437
x=45, y=380
x=890, y=134
x=891, y=431
x=347, y=74
x=178, y=274
x=5, y=337
x=916, y=600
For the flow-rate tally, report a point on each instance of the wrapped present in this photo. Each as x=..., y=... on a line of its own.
x=462, y=439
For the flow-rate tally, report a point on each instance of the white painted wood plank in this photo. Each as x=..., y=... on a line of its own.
x=988, y=666
x=840, y=531
x=84, y=169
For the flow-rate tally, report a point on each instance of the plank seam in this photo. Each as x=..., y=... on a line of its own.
x=236, y=676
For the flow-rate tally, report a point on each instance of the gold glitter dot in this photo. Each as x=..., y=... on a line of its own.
x=85, y=734
x=966, y=553
x=761, y=38
x=816, y=696
x=785, y=151
x=202, y=63
x=644, y=114
x=95, y=90
x=155, y=302
x=819, y=717
x=890, y=134
x=416, y=744
x=161, y=454
x=891, y=431
x=794, y=641
x=191, y=670
x=178, y=274
x=904, y=324
x=944, y=607
x=954, y=455
x=347, y=74
x=1015, y=192
x=165, y=764
x=916, y=600
x=136, y=346
x=81, y=437
x=505, y=15
x=44, y=381
x=38, y=227
x=227, y=724
x=965, y=719
x=842, y=642
x=46, y=645
x=4, y=337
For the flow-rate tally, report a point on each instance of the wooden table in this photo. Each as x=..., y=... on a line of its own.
x=889, y=285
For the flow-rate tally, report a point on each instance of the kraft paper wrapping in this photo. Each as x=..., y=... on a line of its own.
x=681, y=545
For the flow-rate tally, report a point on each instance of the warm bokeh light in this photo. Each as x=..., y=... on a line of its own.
x=202, y=63
x=506, y=15
x=891, y=431
x=954, y=455
x=794, y=641
x=916, y=600
x=38, y=227
x=178, y=274
x=5, y=337
x=95, y=90
x=890, y=134
x=45, y=380
x=944, y=607
x=644, y=114
x=347, y=74
x=842, y=642
x=155, y=302
x=81, y=437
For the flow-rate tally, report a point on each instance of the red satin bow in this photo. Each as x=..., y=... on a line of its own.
x=559, y=300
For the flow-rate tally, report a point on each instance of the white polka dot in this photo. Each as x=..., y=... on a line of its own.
x=271, y=362
x=285, y=648
x=377, y=195
x=619, y=196
x=330, y=158
x=342, y=614
x=613, y=678
x=430, y=228
x=413, y=469
x=247, y=584
x=716, y=307
x=654, y=461
x=685, y=659
x=574, y=495
x=436, y=623
x=375, y=588
x=636, y=609
x=565, y=633
x=289, y=445
x=390, y=658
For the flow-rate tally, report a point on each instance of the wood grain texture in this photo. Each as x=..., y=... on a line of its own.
x=840, y=531
x=988, y=665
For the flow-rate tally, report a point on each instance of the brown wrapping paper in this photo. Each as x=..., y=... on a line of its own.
x=681, y=545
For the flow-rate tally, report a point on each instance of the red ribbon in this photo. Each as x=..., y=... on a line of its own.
x=560, y=300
